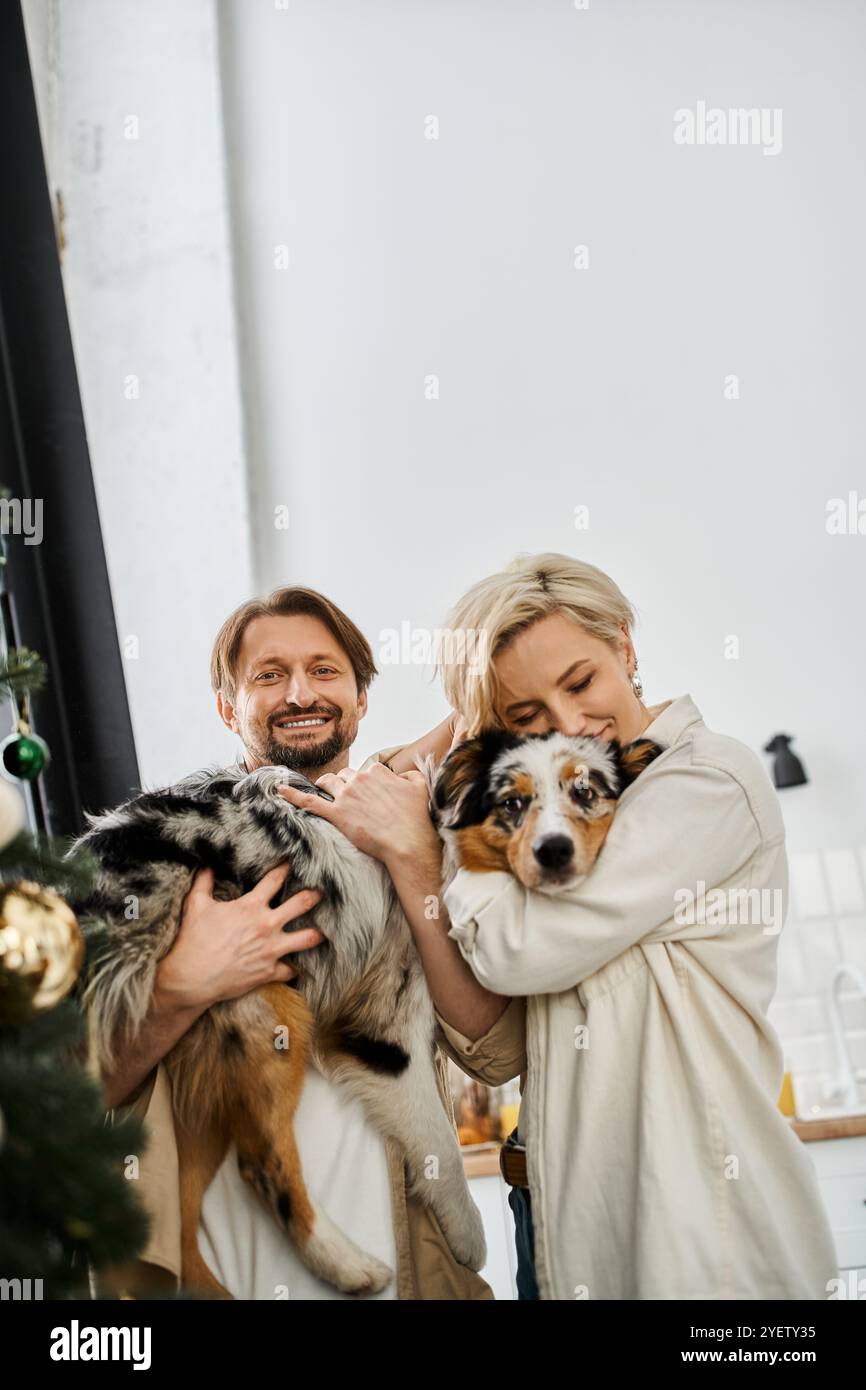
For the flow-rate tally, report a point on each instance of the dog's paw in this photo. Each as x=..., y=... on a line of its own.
x=333, y=1256
x=466, y=1237
x=369, y=1276
x=355, y=1271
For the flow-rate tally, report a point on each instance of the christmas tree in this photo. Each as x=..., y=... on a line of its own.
x=65, y=1207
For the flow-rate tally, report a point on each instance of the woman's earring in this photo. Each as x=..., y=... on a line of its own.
x=637, y=683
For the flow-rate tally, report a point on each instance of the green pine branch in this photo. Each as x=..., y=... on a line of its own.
x=21, y=673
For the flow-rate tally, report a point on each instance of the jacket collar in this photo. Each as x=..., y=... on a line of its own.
x=671, y=719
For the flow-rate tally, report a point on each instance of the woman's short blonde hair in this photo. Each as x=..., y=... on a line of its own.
x=496, y=608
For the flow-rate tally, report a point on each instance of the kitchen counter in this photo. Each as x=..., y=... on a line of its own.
x=843, y=1127
x=482, y=1160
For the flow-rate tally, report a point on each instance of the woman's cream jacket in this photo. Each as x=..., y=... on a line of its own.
x=659, y=1164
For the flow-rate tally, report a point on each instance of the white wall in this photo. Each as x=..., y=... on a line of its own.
x=559, y=387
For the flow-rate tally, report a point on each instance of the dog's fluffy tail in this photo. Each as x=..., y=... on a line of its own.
x=117, y=996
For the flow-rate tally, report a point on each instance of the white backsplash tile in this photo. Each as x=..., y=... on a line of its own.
x=802, y=1017
x=857, y=1049
x=792, y=977
x=826, y=925
x=844, y=880
x=852, y=940
x=820, y=951
x=808, y=886
x=813, y=1056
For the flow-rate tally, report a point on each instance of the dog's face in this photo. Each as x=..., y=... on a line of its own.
x=537, y=806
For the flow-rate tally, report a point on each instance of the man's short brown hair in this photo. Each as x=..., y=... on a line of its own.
x=286, y=603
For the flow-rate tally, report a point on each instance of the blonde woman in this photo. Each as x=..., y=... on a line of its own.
x=658, y=1165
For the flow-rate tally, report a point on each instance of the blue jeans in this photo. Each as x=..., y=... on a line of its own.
x=524, y=1239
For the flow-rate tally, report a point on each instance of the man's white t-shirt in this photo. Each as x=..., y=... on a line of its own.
x=345, y=1168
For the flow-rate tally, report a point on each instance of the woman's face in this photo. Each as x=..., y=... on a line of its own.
x=556, y=675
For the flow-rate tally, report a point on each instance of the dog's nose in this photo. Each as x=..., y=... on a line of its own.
x=554, y=852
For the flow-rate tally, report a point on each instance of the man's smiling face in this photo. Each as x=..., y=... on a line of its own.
x=296, y=703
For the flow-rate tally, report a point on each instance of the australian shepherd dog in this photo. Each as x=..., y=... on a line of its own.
x=537, y=806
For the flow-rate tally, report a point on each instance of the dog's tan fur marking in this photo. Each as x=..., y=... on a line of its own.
x=571, y=771
x=262, y=1086
x=522, y=785
x=594, y=833
x=483, y=847
x=638, y=756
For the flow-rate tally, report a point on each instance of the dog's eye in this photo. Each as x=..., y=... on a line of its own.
x=513, y=805
x=582, y=793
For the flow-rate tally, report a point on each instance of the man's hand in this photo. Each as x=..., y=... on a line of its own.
x=225, y=949
x=383, y=813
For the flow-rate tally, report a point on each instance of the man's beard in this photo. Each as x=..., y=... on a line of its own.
x=311, y=753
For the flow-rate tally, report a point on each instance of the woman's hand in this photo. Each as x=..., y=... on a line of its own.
x=438, y=741
x=383, y=814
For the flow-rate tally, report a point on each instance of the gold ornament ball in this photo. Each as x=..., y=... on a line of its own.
x=41, y=945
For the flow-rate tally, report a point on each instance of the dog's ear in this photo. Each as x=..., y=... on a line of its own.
x=634, y=758
x=457, y=782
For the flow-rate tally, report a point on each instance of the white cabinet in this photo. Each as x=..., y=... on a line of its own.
x=490, y=1192
x=841, y=1168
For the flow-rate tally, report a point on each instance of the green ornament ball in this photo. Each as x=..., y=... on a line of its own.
x=24, y=756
